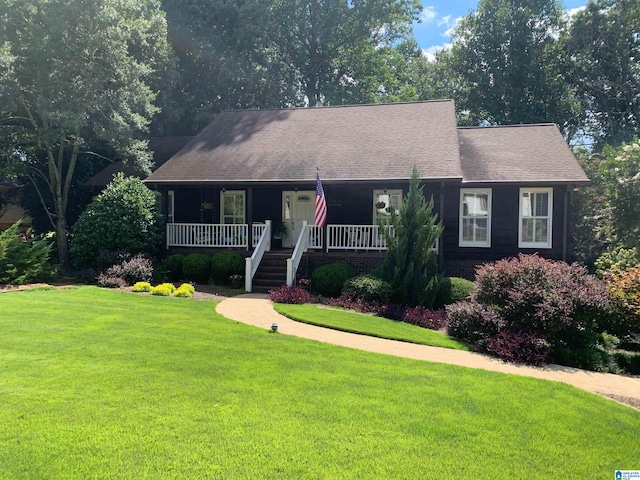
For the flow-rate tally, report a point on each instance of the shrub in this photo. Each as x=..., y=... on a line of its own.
x=472, y=321
x=392, y=311
x=225, y=264
x=368, y=288
x=173, y=265
x=550, y=298
x=163, y=290
x=287, y=294
x=185, y=290
x=197, y=267
x=623, y=287
x=351, y=302
x=109, y=281
x=423, y=317
x=452, y=290
x=329, y=279
x=187, y=286
x=518, y=347
x=132, y=270
x=23, y=260
x=123, y=217
x=142, y=287
x=628, y=362
x=617, y=259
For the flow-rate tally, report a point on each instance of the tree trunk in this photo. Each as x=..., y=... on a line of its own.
x=62, y=242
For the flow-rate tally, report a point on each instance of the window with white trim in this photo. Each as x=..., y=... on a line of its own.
x=535, y=218
x=171, y=206
x=475, y=217
x=384, y=202
x=232, y=206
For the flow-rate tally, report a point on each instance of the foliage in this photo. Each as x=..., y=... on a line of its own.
x=329, y=279
x=518, y=347
x=407, y=265
x=185, y=290
x=425, y=318
x=105, y=56
x=132, y=270
x=628, y=362
x=196, y=267
x=23, y=260
x=471, y=321
x=226, y=264
x=511, y=66
x=123, y=217
x=173, y=265
x=110, y=281
x=550, y=298
x=604, y=48
x=617, y=259
x=289, y=294
x=368, y=288
x=163, y=290
x=452, y=290
x=623, y=286
x=142, y=287
x=620, y=170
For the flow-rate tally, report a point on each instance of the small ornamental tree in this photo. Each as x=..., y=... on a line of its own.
x=122, y=217
x=408, y=263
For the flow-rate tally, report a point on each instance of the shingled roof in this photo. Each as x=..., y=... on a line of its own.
x=518, y=153
x=368, y=142
x=365, y=142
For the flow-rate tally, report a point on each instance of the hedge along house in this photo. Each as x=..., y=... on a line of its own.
x=499, y=191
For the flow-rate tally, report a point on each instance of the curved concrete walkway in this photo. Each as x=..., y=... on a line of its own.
x=256, y=309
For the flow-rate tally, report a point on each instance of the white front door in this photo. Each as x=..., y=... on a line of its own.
x=296, y=208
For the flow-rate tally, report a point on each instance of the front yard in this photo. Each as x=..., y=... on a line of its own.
x=104, y=384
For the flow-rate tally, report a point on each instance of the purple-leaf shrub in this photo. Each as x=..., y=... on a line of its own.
x=423, y=317
x=518, y=347
x=539, y=295
x=109, y=281
x=472, y=321
x=287, y=294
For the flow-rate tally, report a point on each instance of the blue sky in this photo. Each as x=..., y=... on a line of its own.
x=440, y=16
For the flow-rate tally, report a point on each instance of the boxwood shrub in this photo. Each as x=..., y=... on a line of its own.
x=173, y=266
x=329, y=279
x=368, y=288
x=452, y=290
x=196, y=267
x=225, y=264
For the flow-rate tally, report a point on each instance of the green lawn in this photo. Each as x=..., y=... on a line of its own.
x=103, y=384
x=373, y=326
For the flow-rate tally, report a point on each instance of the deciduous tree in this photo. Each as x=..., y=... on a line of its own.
x=76, y=72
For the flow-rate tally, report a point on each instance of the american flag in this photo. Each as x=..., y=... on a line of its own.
x=321, y=203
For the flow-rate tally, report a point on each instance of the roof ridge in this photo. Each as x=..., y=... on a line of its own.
x=277, y=109
x=516, y=125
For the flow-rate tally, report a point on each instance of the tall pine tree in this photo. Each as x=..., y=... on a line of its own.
x=408, y=260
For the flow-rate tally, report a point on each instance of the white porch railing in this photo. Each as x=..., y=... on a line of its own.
x=316, y=234
x=256, y=232
x=262, y=244
x=360, y=237
x=207, y=235
x=356, y=237
x=301, y=247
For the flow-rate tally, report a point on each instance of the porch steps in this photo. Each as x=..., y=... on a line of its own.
x=272, y=272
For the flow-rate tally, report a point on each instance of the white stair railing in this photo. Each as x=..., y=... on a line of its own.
x=253, y=262
x=301, y=246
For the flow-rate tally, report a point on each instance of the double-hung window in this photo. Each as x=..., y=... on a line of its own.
x=536, y=207
x=233, y=207
x=475, y=217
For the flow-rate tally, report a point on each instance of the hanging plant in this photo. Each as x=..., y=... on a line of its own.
x=380, y=205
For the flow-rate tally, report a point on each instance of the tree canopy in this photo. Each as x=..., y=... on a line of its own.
x=77, y=73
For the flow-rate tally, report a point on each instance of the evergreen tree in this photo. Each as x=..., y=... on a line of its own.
x=409, y=266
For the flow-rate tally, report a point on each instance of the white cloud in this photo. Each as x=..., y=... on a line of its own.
x=573, y=11
x=451, y=24
x=430, y=53
x=428, y=14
